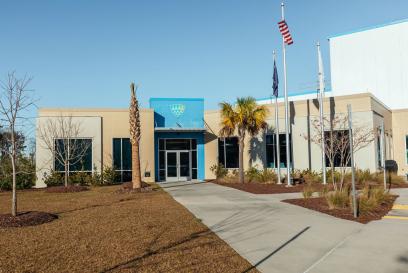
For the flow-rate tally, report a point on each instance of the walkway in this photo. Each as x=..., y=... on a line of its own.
x=279, y=237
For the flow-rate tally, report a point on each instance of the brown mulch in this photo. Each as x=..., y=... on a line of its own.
x=127, y=187
x=28, y=218
x=320, y=204
x=262, y=188
x=63, y=189
x=272, y=188
x=101, y=231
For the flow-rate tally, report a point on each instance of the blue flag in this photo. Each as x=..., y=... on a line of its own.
x=275, y=81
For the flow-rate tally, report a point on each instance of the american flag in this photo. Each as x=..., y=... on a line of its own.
x=284, y=29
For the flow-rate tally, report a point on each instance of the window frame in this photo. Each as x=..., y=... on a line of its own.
x=121, y=170
x=225, y=152
x=406, y=149
x=327, y=160
x=69, y=139
x=282, y=149
x=190, y=150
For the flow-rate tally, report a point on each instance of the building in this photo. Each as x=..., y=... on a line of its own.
x=180, y=139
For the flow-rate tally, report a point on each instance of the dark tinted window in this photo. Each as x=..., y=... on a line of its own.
x=228, y=152
x=271, y=149
x=337, y=157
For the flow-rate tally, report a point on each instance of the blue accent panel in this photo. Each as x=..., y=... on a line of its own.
x=178, y=112
x=368, y=28
x=192, y=135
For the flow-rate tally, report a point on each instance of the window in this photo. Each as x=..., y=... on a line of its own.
x=271, y=158
x=339, y=135
x=78, y=151
x=194, y=159
x=122, y=159
x=228, y=152
x=406, y=148
x=379, y=159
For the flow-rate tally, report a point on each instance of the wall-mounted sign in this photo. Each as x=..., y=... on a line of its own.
x=177, y=109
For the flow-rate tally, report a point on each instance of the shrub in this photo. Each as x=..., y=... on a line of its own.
x=371, y=198
x=308, y=190
x=329, y=175
x=25, y=177
x=395, y=179
x=363, y=176
x=53, y=179
x=108, y=177
x=268, y=176
x=252, y=174
x=324, y=189
x=311, y=176
x=262, y=176
x=337, y=199
x=219, y=171
x=80, y=178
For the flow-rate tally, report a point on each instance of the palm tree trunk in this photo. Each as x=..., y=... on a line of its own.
x=241, y=159
x=136, y=176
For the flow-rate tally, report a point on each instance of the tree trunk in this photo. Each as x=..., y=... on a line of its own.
x=66, y=174
x=13, y=165
x=14, y=198
x=241, y=159
x=136, y=176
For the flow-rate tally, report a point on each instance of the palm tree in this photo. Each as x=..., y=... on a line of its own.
x=246, y=116
x=134, y=120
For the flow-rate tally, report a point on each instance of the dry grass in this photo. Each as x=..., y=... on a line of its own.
x=103, y=231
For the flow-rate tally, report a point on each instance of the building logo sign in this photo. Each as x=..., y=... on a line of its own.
x=177, y=109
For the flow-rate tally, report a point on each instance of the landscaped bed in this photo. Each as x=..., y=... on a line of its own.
x=320, y=204
x=262, y=188
x=272, y=188
x=101, y=230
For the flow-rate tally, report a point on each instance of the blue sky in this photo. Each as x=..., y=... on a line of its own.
x=85, y=53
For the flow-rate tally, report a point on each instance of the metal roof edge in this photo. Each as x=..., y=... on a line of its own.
x=368, y=28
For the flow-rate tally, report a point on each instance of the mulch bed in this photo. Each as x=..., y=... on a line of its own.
x=127, y=187
x=28, y=218
x=258, y=188
x=320, y=204
x=69, y=188
x=271, y=188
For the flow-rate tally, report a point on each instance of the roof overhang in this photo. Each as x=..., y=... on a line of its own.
x=178, y=130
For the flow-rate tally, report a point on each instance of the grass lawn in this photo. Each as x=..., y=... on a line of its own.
x=103, y=231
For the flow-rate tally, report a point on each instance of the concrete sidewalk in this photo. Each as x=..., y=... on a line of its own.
x=279, y=237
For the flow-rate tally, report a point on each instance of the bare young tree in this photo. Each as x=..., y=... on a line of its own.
x=337, y=144
x=61, y=135
x=15, y=98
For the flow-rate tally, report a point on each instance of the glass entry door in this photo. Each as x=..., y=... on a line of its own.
x=178, y=167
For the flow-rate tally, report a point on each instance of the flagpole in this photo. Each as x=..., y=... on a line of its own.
x=289, y=180
x=277, y=147
x=321, y=94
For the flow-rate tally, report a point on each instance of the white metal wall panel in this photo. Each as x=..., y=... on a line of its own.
x=375, y=61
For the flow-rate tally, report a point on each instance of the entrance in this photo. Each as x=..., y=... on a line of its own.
x=178, y=166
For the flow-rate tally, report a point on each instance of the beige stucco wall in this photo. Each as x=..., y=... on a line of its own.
x=399, y=132
x=113, y=123
x=89, y=127
x=367, y=112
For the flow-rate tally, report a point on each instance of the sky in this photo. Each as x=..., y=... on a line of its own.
x=86, y=53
